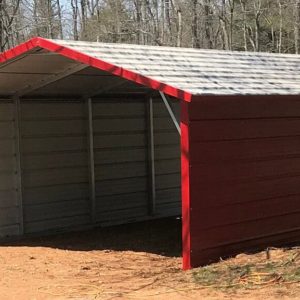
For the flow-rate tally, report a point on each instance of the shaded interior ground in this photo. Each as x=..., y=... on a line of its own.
x=134, y=261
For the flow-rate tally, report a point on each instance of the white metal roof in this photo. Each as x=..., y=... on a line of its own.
x=52, y=67
x=202, y=72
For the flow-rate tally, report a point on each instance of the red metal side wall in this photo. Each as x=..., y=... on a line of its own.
x=241, y=175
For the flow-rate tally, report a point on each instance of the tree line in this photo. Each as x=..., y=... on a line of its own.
x=246, y=25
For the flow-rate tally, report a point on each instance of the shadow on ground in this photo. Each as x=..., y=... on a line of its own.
x=161, y=237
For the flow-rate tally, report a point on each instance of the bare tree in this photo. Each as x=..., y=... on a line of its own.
x=280, y=26
x=195, y=25
x=296, y=25
x=75, y=15
x=61, y=34
x=7, y=17
x=83, y=6
x=207, y=24
x=258, y=11
x=2, y=37
x=243, y=6
x=231, y=6
x=224, y=26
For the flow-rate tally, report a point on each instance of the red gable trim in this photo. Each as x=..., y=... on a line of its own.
x=18, y=50
x=96, y=63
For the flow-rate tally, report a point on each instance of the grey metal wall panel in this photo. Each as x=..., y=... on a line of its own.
x=55, y=165
x=42, y=110
x=58, y=224
x=126, y=139
x=119, y=108
x=8, y=198
x=167, y=159
x=121, y=186
x=55, y=210
x=50, y=194
x=9, y=205
x=134, y=124
x=53, y=128
x=56, y=160
x=7, y=147
x=121, y=170
x=120, y=155
x=121, y=164
x=32, y=145
x=9, y=215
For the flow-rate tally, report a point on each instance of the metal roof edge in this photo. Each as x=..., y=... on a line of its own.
x=225, y=97
x=19, y=50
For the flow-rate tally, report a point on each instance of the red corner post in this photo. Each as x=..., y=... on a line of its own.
x=185, y=184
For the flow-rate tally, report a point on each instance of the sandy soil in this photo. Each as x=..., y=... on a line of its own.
x=136, y=261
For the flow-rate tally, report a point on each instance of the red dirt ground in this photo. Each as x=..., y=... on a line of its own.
x=135, y=261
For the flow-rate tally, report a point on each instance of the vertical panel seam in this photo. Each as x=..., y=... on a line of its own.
x=151, y=158
x=91, y=159
x=18, y=157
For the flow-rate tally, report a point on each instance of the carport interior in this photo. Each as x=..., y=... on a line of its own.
x=81, y=146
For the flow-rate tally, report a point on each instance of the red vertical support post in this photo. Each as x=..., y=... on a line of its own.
x=185, y=184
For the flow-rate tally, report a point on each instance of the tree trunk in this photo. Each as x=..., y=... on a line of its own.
x=163, y=21
x=153, y=13
x=1, y=26
x=223, y=21
x=195, y=25
x=74, y=4
x=280, y=26
x=243, y=6
x=35, y=18
x=179, y=26
x=137, y=4
x=231, y=3
x=257, y=7
x=177, y=8
x=296, y=25
x=83, y=19
x=61, y=34
x=50, y=19
x=207, y=24
x=168, y=21
x=143, y=22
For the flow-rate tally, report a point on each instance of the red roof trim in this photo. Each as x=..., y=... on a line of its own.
x=18, y=50
x=96, y=63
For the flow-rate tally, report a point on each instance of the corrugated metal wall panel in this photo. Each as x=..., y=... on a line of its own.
x=9, y=204
x=244, y=175
x=54, y=162
x=55, y=165
x=121, y=168
x=167, y=159
x=121, y=159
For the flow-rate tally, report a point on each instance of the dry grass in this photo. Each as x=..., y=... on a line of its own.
x=273, y=267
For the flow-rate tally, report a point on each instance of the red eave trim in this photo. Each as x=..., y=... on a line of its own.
x=18, y=50
x=96, y=63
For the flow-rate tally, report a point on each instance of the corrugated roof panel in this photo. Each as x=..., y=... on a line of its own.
x=180, y=72
x=202, y=71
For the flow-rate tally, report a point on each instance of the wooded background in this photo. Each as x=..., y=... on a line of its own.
x=250, y=25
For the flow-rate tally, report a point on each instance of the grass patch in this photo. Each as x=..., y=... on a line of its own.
x=252, y=271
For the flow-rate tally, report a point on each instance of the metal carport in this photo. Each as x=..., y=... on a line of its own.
x=89, y=135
